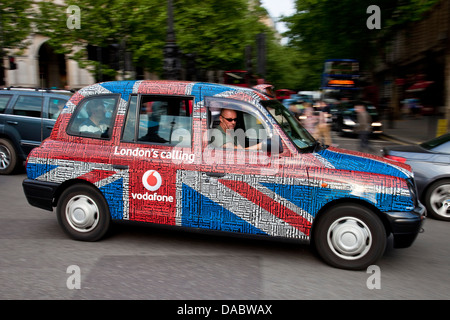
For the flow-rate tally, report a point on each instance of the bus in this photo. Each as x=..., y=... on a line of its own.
x=340, y=77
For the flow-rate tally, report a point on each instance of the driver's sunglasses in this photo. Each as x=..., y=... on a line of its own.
x=230, y=119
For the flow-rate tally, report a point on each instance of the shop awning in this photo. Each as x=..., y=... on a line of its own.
x=419, y=86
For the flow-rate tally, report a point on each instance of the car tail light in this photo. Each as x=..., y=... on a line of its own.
x=395, y=158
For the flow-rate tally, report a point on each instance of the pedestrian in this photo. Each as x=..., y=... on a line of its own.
x=363, y=127
x=323, y=127
x=309, y=118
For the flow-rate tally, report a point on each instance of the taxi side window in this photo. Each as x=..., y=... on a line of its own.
x=94, y=117
x=160, y=120
x=232, y=124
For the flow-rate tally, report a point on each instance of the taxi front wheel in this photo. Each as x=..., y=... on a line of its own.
x=83, y=213
x=350, y=236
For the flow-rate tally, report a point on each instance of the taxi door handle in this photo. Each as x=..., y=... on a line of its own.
x=12, y=122
x=215, y=174
x=120, y=167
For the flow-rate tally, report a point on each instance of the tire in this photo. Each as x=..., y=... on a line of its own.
x=8, y=157
x=437, y=200
x=83, y=213
x=350, y=236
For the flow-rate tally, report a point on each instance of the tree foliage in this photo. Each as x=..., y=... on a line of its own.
x=15, y=23
x=216, y=31
x=324, y=29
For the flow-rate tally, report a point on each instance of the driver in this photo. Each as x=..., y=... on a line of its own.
x=227, y=125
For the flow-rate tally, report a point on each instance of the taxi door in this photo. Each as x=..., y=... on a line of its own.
x=237, y=189
x=156, y=141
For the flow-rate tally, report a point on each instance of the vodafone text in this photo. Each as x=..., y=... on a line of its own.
x=152, y=197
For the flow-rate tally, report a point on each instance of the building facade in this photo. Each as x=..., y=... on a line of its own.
x=416, y=64
x=40, y=67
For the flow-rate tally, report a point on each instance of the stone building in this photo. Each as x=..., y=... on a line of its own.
x=40, y=67
x=416, y=63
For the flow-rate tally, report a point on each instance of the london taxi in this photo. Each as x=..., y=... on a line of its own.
x=158, y=152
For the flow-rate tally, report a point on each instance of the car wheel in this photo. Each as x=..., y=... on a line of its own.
x=437, y=200
x=350, y=236
x=83, y=213
x=8, y=157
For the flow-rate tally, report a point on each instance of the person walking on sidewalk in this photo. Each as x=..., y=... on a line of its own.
x=364, y=127
x=323, y=127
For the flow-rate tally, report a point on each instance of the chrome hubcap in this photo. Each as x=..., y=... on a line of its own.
x=349, y=238
x=82, y=213
x=440, y=200
x=5, y=158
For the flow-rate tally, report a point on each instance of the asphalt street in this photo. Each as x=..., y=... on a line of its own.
x=38, y=261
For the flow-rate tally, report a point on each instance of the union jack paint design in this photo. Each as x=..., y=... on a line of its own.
x=239, y=203
x=113, y=183
x=143, y=182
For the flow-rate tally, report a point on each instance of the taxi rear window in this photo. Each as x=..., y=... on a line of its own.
x=94, y=117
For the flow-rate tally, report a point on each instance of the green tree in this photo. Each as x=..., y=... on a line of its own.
x=15, y=26
x=216, y=31
x=323, y=29
x=138, y=23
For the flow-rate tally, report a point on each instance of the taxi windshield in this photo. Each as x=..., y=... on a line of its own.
x=289, y=124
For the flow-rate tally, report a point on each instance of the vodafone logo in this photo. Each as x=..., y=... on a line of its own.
x=152, y=180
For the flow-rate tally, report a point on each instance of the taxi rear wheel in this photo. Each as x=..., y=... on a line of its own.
x=83, y=213
x=350, y=236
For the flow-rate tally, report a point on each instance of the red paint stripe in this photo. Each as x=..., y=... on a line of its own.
x=96, y=175
x=267, y=203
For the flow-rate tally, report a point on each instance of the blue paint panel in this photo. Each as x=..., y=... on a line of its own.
x=208, y=90
x=35, y=170
x=313, y=199
x=123, y=87
x=297, y=194
x=211, y=215
x=113, y=193
x=342, y=161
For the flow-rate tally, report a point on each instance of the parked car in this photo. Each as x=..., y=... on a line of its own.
x=345, y=119
x=27, y=117
x=430, y=162
x=161, y=154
